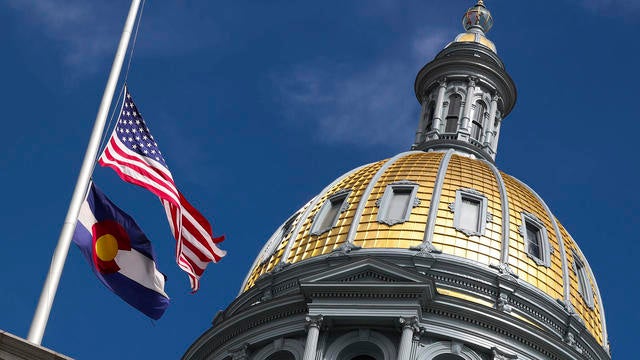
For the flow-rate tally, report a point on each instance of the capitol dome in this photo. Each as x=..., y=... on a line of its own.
x=384, y=209
x=433, y=253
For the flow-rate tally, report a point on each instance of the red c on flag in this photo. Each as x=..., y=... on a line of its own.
x=108, y=238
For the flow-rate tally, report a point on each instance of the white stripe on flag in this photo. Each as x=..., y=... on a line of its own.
x=140, y=269
x=86, y=217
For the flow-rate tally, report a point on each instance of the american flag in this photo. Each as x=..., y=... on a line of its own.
x=133, y=153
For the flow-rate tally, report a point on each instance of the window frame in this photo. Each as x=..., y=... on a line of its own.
x=451, y=115
x=430, y=115
x=584, y=283
x=456, y=209
x=384, y=203
x=477, y=121
x=544, y=245
x=276, y=239
x=340, y=196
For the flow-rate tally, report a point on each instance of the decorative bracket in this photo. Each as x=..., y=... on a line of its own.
x=503, y=303
x=345, y=248
x=502, y=355
x=426, y=249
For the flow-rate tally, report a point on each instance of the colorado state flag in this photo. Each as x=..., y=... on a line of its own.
x=120, y=254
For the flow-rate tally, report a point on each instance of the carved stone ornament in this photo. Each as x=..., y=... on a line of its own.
x=267, y=295
x=456, y=347
x=504, y=269
x=279, y=266
x=567, y=306
x=503, y=303
x=410, y=322
x=502, y=355
x=426, y=249
x=570, y=339
x=240, y=353
x=313, y=321
x=346, y=248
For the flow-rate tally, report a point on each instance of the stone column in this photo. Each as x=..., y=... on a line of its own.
x=468, y=101
x=437, y=117
x=409, y=325
x=313, y=331
x=496, y=137
x=422, y=124
x=489, y=128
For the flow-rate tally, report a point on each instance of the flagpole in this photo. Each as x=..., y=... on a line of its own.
x=50, y=287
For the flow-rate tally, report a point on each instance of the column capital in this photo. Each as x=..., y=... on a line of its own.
x=472, y=81
x=410, y=322
x=239, y=353
x=502, y=355
x=442, y=82
x=313, y=321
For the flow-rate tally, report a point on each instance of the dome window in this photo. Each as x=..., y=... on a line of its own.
x=478, y=118
x=431, y=112
x=396, y=202
x=277, y=238
x=453, y=114
x=328, y=215
x=536, y=242
x=470, y=214
x=584, y=287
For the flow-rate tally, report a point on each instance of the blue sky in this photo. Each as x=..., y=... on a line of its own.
x=258, y=105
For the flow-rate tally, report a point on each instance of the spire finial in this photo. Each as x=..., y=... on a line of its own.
x=477, y=19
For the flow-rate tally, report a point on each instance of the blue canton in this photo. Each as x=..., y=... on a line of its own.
x=134, y=133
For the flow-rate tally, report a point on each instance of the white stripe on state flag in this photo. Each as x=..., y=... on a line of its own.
x=86, y=217
x=139, y=268
x=133, y=264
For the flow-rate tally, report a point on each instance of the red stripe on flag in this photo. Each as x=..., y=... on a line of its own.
x=195, y=244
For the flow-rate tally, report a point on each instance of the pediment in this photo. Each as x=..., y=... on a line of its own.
x=366, y=271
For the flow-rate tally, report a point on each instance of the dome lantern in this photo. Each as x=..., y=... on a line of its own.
x=465, y=92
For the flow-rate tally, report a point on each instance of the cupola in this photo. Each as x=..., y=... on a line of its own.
x=465, y=92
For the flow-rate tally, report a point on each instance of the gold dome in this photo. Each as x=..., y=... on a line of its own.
x=438, y=177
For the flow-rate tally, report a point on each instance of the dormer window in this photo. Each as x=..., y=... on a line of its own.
x=477, y=120
x=328, y=215
x=470, y=214
x=584, y=285
x=396, y=202
x=453, y=113
x=536, y=242
x=277, y=238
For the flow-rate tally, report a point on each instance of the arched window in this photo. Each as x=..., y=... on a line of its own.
x=363, y=357
x=453, y=115
x=431, y=109
x=448, y=357
x=361, y=350
x=476, y=122
x=281, y=355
